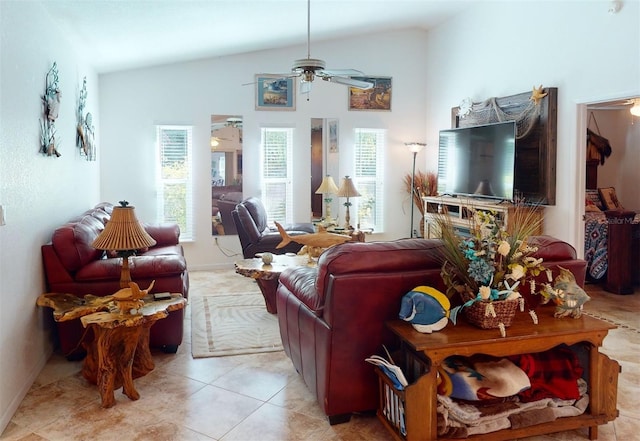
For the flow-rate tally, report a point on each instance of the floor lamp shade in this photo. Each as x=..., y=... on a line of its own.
x=123, y=233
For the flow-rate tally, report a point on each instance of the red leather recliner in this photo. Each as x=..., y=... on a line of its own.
x=255, y=235
x=332, y=317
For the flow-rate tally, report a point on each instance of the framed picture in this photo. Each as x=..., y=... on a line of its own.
x=275, y=92
x=333, y=135
x=376, y=98
x=609, y=198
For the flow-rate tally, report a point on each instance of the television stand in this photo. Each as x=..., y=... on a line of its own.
x=460, y=211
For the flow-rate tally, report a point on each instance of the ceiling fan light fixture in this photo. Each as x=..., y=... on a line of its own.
x=635, y=109
x=308, y=64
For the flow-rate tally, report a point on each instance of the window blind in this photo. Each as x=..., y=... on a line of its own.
x=175, y=178
x=277, y=148
x=368, y=177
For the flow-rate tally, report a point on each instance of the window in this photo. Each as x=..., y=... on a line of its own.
x=277, y=147
x=174, y=200
x=369, y=160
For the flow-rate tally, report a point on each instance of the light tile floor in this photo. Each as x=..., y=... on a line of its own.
x=260, y=397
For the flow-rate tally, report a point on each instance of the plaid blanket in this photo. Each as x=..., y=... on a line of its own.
x=553, y=374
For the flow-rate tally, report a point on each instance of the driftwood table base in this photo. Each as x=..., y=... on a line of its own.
x=117, y=344
x=115, y=358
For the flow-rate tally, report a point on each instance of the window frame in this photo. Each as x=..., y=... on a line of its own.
x=363, y=182
x=266, y=182
x=187, y=228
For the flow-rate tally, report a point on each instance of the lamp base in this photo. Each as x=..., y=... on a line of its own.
x=125, y=273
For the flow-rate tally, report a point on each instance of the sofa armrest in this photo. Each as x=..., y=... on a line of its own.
x=54, y=271
x=164, y=234
x=301, y=282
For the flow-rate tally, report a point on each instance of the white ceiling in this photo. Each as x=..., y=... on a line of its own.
x=125, y=34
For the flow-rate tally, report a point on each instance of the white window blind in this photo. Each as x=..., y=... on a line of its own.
x=277, y=148
x=368, y=175
x=175, y=178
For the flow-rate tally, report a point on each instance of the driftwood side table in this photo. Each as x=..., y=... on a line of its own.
x=117, y=344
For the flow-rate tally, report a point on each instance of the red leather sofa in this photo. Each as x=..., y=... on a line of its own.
x=72, y=265
x=332, y=317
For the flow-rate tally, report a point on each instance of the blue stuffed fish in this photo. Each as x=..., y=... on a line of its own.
x=426, y=308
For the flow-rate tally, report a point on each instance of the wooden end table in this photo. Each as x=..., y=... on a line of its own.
x=266, y=276
x=117, y=344
x=523, y=337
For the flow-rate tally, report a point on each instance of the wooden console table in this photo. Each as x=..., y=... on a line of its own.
x=117, y=344
x=460, y=212
x=420, y=397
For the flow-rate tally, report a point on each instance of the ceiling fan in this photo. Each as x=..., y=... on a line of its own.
x=307, y=69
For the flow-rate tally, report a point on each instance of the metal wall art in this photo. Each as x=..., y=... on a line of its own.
x=51, y=108
x=85, y=131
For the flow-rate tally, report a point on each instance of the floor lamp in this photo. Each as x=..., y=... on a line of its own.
x=415, y=148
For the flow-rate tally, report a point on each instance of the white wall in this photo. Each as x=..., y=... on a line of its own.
x=39, y=193
x=188, y=93
x=505, y=48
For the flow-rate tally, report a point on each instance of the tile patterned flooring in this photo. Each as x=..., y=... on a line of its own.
x=261, y=397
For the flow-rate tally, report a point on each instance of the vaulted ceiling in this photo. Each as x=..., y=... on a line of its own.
x=124, y=34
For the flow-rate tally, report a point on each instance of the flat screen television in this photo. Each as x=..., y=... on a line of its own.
x=478, y=161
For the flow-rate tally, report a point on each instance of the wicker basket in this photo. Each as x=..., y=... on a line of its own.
x=479, y=315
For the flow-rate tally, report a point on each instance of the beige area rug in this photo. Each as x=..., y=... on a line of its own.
x=231, y=317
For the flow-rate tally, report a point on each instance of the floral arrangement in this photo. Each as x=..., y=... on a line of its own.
x=491, y=264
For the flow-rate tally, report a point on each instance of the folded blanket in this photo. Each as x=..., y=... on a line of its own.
x=460, y=420
x=480, y=377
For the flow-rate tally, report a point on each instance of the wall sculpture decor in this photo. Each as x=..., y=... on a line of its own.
x=51, y=108
x=85, y=137
x=535, y=114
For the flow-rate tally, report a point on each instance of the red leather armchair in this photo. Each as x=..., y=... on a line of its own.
x=255, y=236
x=332, y=317
x=72, y=265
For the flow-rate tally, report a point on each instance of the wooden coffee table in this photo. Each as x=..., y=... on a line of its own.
x=117, y=344
x=430, y=350
x=267, y=275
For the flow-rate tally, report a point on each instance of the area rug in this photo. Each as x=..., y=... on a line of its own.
x=232, y=324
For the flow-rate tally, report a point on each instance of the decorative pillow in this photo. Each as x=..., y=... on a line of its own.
x=590, y=206
x=594, y=197
x=609, y=198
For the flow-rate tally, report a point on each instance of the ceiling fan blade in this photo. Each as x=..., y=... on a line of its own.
x=305, y=87
x=343, y=72
x=350, y=82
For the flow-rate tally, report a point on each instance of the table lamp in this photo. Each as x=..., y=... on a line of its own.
x=347, y=190
x=123, y=234
x=327, y=188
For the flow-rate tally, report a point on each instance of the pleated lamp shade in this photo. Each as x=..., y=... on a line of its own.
x=123, y=232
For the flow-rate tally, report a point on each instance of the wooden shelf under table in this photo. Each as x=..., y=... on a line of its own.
x=522, y=337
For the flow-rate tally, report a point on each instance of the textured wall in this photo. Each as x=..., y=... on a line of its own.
x=37, y=192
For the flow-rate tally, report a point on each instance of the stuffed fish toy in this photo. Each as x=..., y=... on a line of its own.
x=426, y=308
